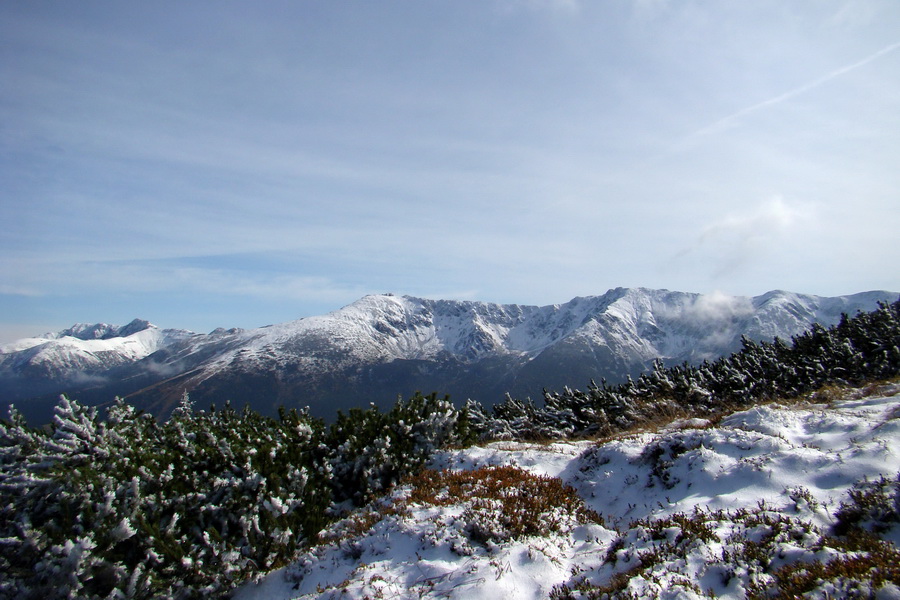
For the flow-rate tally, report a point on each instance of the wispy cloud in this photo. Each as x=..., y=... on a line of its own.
x=774, y=215
x=569, y=6
x=316, y=153
x=20, y=290
x=716, y=306
x=734, y=118
x=715, y=314
x=738, y=239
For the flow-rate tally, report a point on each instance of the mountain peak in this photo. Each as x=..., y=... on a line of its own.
x=102, y=331
x=135, y=326
x=383, y=345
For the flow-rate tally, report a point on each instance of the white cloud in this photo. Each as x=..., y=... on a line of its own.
x=422, y=151
x=716, y=314
x=717, y=306
x=20, y=290
x=712, y=311
x=568, y=6
x=854, y=13
x=771, y=217
x=739, y=239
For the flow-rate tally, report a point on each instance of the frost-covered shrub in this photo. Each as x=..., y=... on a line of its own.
x=249, y=491
x=866, y=566
x=370, y=451
x=762, y=553
x=661, y=453
x=131, y=508
x=128, y=507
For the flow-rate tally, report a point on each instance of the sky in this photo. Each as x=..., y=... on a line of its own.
x=237, y=163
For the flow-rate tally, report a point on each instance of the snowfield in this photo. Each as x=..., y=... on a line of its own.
x=693, y=509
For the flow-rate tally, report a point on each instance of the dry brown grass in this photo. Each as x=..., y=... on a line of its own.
x=503, y=502
x=867, y=565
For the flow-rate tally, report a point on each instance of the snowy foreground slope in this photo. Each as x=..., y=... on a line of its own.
x=693, y=509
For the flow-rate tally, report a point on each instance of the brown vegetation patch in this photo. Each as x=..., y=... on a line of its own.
x=503, y=502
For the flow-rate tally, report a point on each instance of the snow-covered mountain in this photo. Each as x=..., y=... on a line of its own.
x=85, y=350
x=382, y=346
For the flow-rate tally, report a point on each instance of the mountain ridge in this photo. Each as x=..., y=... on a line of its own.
x=383, y=345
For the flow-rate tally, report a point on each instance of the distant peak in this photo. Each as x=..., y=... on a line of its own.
x=104, y=331
x=88, y=331
x=135, y=326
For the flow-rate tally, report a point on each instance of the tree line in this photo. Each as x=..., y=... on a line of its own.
x=858, y=349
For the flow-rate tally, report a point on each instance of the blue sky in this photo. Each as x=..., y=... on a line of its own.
x=210, y=164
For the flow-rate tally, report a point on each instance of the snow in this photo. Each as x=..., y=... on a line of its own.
x=72, y=353
x=643, y=323
x=633, y=326
x=22, y=344
x=67, y=354
x=798, y=461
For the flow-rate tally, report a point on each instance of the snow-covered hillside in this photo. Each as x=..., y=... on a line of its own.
x=382, y=346
x=641, y=324
x=689, y=510
x=650, y=323
x=84, y=350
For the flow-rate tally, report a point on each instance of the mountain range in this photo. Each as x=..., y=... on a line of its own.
x=385, y=346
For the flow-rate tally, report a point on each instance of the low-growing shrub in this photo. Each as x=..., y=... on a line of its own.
x=370, y=451
x=129, y=507
x=776, y=556
x=504, y=503
x=866, y=565
x=873, y=505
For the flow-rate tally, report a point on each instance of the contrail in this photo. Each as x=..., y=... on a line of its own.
x=792, y=93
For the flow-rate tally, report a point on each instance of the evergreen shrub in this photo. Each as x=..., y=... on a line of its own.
x=129, y=507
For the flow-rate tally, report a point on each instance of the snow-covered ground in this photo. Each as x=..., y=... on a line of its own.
x=693, y=509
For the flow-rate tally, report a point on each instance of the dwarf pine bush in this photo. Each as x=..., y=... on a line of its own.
x=370, y=451
x=129, y=507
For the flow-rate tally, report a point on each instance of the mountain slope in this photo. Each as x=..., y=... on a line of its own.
x=382, y=346
x=80, y=356
x=689, y=511
x=87, y=348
